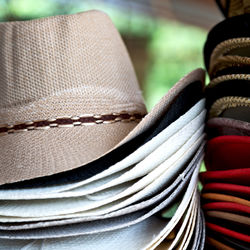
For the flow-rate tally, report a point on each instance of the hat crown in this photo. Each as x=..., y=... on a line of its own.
x=80, y=54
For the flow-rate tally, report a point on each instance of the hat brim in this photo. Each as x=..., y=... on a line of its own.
x=196, y=237
x=234, y=176
x=227, y=188
x=227, y=206
x=119, y=174
x=230, y=217
x=225, y=198
x=87, y=228
x=52, y=232
x=170, y=191
x=189, y=199
x=228, y=232
x=52, y=207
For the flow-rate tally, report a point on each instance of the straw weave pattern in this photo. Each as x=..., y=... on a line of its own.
x=76, y=56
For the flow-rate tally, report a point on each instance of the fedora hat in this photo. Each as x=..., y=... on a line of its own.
x=184, y=231
x=69, y=95
x=156, y=162
x=234, y=46
x=232, y=8
x=229, y=61
x=62, y=74
x=193, y=114
x=231, y=53
x=181, y=105
x=196, y=240
x=203, y=231
x=230, y=225
x=189, y=199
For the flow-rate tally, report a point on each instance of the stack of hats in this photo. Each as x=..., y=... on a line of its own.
x=226, y=190
x=82, y=166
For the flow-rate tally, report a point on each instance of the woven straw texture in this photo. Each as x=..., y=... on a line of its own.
x=67, y=66
x=58, y=67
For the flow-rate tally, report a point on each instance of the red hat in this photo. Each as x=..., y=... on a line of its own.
x=234, y=176
x=228, y=152
x=227, y=188
x=228, y=232
x=228, y=207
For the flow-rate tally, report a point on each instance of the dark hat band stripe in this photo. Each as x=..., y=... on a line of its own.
x=70, y=122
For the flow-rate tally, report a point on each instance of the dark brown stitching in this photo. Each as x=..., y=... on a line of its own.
x=70, y=122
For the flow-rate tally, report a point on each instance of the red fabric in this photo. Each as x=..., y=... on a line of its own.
x=233, y=176
x=228, y=232
x=228, y=152
x=227, y=188
x=227, y=207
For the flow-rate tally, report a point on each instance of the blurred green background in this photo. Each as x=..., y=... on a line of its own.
x=162, y=50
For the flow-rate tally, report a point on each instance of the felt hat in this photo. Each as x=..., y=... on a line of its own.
x=234, y=176
x=69, y=95
x=227, y=152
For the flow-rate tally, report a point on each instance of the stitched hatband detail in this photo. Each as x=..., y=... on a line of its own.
x=70, y=121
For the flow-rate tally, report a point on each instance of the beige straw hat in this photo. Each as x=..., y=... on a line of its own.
x=68, y=96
